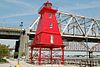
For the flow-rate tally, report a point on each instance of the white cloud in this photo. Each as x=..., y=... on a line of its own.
x=28, y=10
x=92, y=4
x=19, y=2
x=77, y=5
x=15, y=15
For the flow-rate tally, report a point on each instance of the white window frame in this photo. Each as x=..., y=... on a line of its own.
x=51, y=39
x=50, y=25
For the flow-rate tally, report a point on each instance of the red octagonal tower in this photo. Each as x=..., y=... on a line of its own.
x=47, y=34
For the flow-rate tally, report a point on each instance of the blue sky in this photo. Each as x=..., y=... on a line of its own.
x=12, y=12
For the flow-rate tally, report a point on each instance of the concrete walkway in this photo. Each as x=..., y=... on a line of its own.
x=13, y=63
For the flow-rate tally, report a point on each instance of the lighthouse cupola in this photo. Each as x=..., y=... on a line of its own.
x=48, y=4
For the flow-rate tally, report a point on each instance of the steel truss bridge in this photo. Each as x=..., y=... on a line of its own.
x=77, y=32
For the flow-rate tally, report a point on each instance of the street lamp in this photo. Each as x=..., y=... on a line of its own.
x=21, y=25
x=18, y=65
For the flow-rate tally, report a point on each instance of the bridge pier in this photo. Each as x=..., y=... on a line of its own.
x=23, y=49
x=90, y=54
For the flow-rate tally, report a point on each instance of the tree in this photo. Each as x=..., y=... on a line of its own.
x=4, y=50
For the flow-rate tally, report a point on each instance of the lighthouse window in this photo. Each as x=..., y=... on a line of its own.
x=51, y=39
x=50, y=25
x=50, y=15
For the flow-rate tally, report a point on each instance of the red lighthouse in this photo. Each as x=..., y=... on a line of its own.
x=47, y=34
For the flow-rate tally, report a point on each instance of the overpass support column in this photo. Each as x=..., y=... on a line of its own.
x=90, y=54
x=91, y=61
x=24, y=49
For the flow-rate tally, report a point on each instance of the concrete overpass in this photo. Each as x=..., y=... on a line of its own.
x=14, y=33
